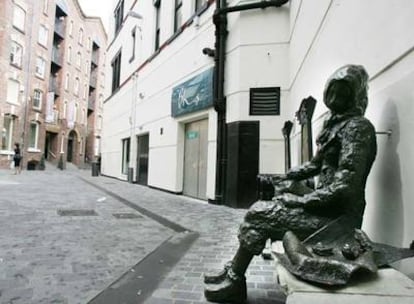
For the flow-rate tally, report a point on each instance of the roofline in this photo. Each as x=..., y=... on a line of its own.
x=99, y=19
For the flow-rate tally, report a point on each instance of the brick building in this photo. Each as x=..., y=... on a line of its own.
x=51, y=63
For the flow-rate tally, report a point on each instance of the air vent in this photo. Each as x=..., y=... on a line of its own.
x=265, y=101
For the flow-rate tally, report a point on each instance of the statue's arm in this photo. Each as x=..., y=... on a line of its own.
x=358, y=148
x=306, y=170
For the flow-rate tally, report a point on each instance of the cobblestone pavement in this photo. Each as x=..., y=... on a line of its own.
x=49, y=257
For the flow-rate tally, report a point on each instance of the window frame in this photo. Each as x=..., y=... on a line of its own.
x=70, y=30
x=42, y=68
x=76, y=86
x=69, y=59
x=45, y=6
x=67, y=81
x=7, y=133
x=13, y=54
x=134, y=42
x=178, y=15
x=116, y=71
x=199, y=5
x=157, y=34
x=85, y=91
x=16, y=24
x=126, y=143
x=46, y=36
x=9, y=94
x=79, y=60
x=80, y=37
x=33, y=146
x=118, y=16
x=37, y=95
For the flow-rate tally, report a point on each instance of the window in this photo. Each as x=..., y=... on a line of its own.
x=65, y=109
x=43, y=35
x=16, y=54
x=37, y=99
x=125, y=155
x=33, y=134
x=83, y=116
x=79, y=60
x=67, y=81
x=45, y=6
x=13, y=91
x=199, y=4
x=119, y=16
x=178, y=15
x=85, y=91
x=19, y=17
x=40, y=67
x=69, y=54
x=80, y=38
x=133, y=42
x=89, y=44
x=76, y=86
x=99, y=122
x=87, y=67
x=265, y=101
x=116, y=71
x=75, y=112
x=70, y=28
x=7, y=133
x=157, y=6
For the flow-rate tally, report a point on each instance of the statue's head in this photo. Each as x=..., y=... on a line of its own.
x=347, y=90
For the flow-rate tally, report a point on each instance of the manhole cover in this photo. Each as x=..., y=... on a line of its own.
x=77, y=212
x=126, y=215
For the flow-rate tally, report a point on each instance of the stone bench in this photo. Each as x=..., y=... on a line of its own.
x=388, y=286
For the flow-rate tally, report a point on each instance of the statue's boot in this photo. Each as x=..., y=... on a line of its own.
x=231, y=290
x=217, y=277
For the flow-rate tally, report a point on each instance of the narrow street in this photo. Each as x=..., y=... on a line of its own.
x=68, y=237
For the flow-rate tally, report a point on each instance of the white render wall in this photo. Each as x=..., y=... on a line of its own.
x=176, y=63
x=378, y=34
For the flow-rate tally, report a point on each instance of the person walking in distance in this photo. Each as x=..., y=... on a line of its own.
x=17, y=158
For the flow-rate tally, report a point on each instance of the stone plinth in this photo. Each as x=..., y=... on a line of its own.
x=386, y=287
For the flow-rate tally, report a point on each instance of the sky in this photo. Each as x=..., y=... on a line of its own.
x=100, y=8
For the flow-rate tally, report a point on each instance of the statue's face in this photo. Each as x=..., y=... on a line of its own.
x=339, y=96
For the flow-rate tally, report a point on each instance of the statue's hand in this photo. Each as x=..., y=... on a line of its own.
x=277, y=178
x=291, y=200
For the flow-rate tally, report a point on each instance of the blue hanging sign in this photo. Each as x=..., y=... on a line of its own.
x=193, y=95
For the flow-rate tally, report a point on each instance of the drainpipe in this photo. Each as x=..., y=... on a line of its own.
x=221, y=33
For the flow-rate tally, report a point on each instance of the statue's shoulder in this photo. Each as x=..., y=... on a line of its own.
x=360, y=124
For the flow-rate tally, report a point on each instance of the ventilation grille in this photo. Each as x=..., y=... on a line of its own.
x=265, y=101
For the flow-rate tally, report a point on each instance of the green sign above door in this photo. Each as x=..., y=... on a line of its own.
x=193, y=95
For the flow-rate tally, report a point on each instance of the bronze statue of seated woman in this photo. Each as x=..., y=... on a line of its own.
x=346, y=151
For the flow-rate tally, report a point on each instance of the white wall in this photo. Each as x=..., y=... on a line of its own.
x=259, y=60
x=377, y=34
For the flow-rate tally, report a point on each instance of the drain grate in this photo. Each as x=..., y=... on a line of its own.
x=126, y=215
x=77, y=212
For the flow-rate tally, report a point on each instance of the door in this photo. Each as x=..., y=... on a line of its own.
x=195, y=159
x=142, y=159
x=70, y=149
x=71, y=146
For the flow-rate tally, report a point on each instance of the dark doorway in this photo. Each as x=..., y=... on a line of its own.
x=50, y=146
x=71, y=146
x=142, y=159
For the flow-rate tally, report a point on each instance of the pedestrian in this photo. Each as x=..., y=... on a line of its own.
x=17, y=158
